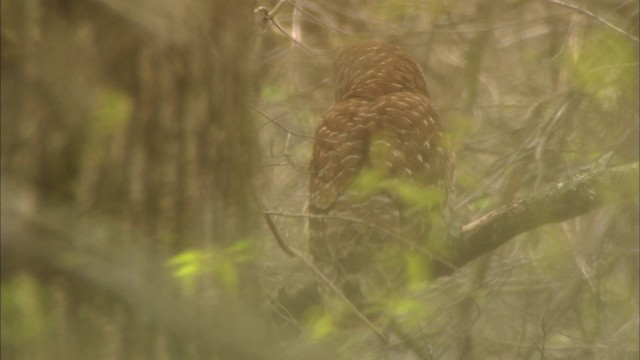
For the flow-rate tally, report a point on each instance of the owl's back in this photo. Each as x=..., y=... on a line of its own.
x=379, y=141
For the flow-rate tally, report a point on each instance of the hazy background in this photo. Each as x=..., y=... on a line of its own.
x=134, y=134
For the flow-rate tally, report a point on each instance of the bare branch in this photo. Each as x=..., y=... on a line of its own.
x=593, y=15
x=269, y=16
x=280, y=126
x=318, y=21
x=274, y=230
x=293, y=252
x=574, y=195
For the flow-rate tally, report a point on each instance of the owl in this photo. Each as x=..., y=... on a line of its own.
x=381, y=167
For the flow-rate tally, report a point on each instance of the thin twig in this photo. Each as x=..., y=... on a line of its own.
x=280, y=126
x=276, y=234
x=269, y=16
x=318, y=21
x=341, y=295
x=404, y=240
x=593, y=15
x=273, y=228
x=275, y=23
x=295, y=253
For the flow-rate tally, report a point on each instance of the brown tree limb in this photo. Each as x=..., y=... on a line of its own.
x=573, y=195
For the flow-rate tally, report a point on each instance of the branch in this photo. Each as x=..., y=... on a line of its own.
x=295, y=253
x=280, y=126
x=594, y=16
x=269, y=16
x=575, y=194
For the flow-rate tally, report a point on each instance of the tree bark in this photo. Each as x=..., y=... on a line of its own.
x=573, y=195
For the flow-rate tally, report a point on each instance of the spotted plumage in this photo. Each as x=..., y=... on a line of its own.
x=382, y=127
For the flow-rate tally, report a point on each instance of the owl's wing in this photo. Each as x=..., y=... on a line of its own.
x=408, y=140
x=339, y=154
x=340, y=150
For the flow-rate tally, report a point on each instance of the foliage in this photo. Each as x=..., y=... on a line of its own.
x=191, y=265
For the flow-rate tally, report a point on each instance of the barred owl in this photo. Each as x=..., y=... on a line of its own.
x=380, y=137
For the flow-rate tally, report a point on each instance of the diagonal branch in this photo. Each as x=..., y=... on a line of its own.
x=574, y=195
x=295, y=253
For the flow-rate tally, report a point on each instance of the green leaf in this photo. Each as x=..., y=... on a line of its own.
x=417, y=271
x=24, y=316
x=188, y=266
x=242, y=251
x=419, y=196
x=273, y=93
x=368, y=182
x=114, y=109
x=322, y=326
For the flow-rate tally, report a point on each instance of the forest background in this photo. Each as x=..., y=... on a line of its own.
x=136, y=133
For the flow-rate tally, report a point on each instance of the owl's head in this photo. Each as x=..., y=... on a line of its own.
x=369, y=70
